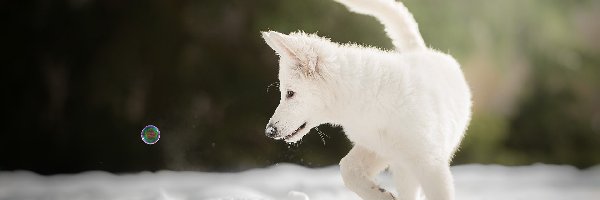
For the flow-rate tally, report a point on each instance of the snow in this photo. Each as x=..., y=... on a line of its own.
x=292, y=182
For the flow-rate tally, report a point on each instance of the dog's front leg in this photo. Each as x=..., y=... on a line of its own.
x=358, y=169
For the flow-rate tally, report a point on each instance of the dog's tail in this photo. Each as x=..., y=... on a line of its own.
x=399, y=23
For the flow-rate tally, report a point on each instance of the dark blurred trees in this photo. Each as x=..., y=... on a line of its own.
x=83, y=77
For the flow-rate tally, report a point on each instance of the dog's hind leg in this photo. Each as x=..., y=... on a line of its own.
x=358, y=169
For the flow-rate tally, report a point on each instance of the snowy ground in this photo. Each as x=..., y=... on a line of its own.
x=290, y=182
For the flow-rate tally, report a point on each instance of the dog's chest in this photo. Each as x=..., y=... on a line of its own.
x=373, y=138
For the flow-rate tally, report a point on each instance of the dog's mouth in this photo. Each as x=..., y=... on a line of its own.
x=295, y=132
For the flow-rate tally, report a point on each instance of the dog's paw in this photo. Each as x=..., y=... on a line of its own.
x=383, y=194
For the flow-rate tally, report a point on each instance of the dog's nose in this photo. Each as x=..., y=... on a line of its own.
x=271, y=131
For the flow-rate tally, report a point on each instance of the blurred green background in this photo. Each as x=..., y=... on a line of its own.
x=81, y=78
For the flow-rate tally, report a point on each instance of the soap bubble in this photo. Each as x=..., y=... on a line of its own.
x=150, y=134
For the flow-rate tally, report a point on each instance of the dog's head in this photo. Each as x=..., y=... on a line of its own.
x=305, y=67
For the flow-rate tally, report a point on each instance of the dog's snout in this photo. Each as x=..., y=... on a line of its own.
x=271, y=131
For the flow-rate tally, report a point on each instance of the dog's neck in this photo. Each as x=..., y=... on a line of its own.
x=354, y=75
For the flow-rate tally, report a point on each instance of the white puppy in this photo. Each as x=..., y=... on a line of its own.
x=405, y=109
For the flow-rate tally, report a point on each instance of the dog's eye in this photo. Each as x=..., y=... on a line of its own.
x=289, y=94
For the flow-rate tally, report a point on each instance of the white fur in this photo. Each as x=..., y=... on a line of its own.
x=399, y=23
x=404, y=110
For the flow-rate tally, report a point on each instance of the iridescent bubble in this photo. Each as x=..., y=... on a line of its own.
x=150, y=134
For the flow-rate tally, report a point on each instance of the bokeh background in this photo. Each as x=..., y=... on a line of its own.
x=81, y=78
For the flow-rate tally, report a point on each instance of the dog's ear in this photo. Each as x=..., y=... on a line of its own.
x=279, y=43
x=301, y=51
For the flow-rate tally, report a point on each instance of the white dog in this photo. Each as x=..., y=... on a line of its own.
x=405, y=109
